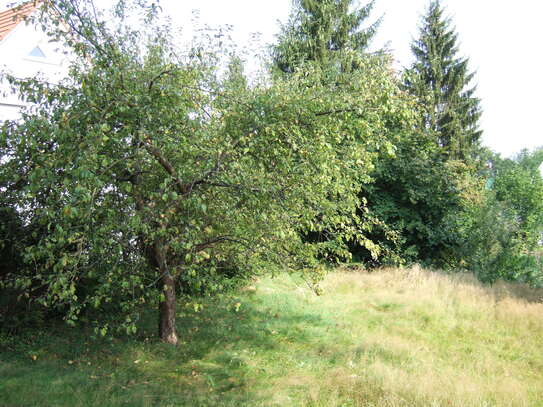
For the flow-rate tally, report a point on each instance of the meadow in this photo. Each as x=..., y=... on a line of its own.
x=394, y=337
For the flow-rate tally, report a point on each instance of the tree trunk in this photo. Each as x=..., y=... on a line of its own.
x=167, y=308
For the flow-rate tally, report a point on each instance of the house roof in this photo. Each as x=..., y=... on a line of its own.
x=9, y=19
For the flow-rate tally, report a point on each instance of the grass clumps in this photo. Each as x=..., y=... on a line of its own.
x=388, y=338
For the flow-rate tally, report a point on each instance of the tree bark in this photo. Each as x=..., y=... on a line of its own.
x=167, y=309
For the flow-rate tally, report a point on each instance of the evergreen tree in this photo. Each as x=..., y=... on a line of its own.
x=320, y=30
x=440, y=80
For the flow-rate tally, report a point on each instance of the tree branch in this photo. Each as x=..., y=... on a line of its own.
x=156, y=78
x=155, y=152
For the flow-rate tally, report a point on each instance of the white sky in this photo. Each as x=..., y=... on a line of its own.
x=502, y=40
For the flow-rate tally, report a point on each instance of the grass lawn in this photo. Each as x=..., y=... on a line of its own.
x=388, y=338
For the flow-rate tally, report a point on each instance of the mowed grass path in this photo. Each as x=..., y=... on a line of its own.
x=388, y=338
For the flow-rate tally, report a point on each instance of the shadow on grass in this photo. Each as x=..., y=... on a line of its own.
x=218, y=363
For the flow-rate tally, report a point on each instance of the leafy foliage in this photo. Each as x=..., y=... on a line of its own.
x=153, y=171
x=417, y=197
x=502, y=229
x=150, y=169
x=423, y=194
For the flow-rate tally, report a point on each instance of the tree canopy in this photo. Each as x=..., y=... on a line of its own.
x=149, y=168
x=321, y=31
x=440, y=80
x=153, y=172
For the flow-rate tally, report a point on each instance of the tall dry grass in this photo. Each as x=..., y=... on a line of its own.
x=427, y=338
x=388, y=338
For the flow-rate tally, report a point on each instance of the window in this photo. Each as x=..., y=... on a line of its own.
x=37, y=53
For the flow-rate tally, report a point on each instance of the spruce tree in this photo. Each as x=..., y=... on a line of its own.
x=320, y=30
x=440, y=80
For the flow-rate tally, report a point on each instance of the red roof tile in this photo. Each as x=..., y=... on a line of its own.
x=10, y=18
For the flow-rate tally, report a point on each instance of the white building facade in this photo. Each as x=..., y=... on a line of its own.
x=25, y=51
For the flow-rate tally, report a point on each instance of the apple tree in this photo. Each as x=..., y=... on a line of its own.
x=150, y=166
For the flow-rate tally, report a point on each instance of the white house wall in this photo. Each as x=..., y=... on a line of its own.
x=15, y=59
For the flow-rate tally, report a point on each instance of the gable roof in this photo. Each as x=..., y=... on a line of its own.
x=9, y=19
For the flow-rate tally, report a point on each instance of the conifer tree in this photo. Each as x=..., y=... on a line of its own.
x=440, y=80
x=319, y=30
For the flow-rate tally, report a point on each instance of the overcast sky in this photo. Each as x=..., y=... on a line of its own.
x=502, y=40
